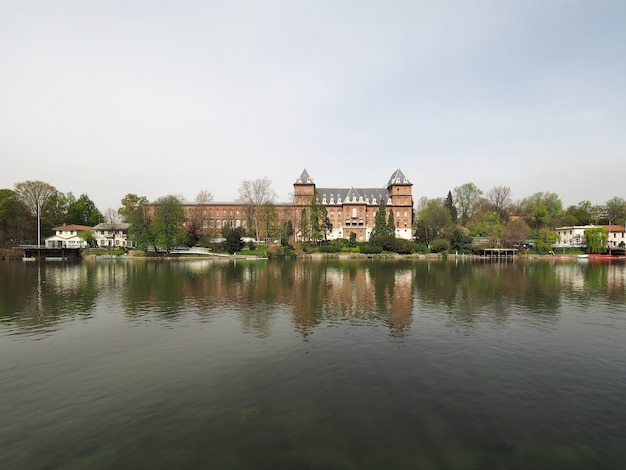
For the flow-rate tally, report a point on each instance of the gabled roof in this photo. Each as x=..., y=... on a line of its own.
x=78, y=228
x=398, y=178
x=112, y=226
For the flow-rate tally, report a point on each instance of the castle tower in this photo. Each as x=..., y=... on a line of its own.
x=303, y=190
x=400, y=193
x=399, y=188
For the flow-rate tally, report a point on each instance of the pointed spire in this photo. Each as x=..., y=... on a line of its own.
x=398, y=178
x=304, y=178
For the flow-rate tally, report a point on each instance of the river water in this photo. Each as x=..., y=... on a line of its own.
x=313, y=364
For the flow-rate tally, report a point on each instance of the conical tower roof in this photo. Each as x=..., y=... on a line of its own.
x=304, y=178
x=398, y=178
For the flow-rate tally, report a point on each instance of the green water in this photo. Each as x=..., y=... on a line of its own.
x=312, y=364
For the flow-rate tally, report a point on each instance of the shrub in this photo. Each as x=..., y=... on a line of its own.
x=370, y=249
x=439, y=245
x=330, y=248
x=404, y=247
x=421, y=248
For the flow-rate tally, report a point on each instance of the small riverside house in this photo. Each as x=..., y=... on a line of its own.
x=68, y=236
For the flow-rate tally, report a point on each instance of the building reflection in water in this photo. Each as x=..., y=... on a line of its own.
x=309, y=292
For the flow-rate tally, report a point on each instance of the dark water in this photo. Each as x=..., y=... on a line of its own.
x=312, y=364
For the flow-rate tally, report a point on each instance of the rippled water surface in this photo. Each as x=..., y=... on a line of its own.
x=312, y=364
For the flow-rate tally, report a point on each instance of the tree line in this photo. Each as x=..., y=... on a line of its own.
x=452, y=222
x=466, y=213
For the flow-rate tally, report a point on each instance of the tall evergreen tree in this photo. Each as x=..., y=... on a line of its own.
x=391, y=224
x=451, y=207
x=380, y=221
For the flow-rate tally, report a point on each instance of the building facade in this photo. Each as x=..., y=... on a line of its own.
x=574, y=236
x=349, y=209
x=68, y=236
x=112, y=235
x=353, y=210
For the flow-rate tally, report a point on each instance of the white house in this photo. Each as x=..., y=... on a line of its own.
x=574, y=236
x=68, y=236
x=112, y=235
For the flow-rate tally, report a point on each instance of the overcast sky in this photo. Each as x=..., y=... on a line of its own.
x=174, y=97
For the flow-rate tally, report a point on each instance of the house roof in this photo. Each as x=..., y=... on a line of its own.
x=608, y=228
x=371, y=196
x=78, y=228
x=112, y=226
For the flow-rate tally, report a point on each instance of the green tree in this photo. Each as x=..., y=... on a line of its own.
x=167, y=224
x=140, y=226
x=487, y=224
x=616, y=210
x=83, y=211
x=542, y=210
x=381, y=226
x=391, y=224
x=55, y=212
x=569, y=220
x=433, y=220
x=286, y=232
x=35, y=195
x=305, y=226
x=451, y=207
x=460, y=240
x=320, y=223
x=233, y=242
x=130, y=203
x=546, y=240
x=596, y=240
x=467, y=197
x=89, y=237
x=268, y=221
x=15, y=220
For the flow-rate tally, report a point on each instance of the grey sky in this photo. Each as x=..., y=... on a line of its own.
x=156, y=98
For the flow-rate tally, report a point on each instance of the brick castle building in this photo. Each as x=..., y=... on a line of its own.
x=350, y=210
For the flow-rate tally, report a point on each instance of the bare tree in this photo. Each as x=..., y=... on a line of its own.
x=35, y=194
x=515, y=232
x=114, y=221
x=255, y=194
x=204, y=196
x=500, y=199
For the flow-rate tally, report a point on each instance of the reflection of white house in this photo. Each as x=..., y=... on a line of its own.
x=574, y=236
x=68, y=236
x=112, y=235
